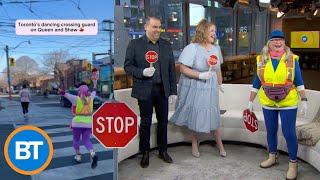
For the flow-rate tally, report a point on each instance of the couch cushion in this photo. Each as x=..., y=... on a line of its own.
x=233, y=119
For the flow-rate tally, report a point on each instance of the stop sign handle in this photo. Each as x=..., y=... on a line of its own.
x=151, y=65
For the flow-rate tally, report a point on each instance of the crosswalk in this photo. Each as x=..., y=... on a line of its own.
x=63, y=166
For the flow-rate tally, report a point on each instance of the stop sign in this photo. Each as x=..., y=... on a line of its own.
x=151, y=56
x=114, y=125
x=212, y=60
x=250, y=120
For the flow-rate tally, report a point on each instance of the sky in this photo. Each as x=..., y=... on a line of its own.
x=77, y=46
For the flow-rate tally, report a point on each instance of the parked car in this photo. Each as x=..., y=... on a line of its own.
x=64, y=102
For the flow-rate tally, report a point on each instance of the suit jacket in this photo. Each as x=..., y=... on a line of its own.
x=135, y=63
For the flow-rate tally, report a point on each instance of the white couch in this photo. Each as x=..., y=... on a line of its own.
x=234, y=100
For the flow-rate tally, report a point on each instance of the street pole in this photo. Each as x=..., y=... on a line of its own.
x=8, y=71
x=110, y=37
x=110, y=22
x=6, y=49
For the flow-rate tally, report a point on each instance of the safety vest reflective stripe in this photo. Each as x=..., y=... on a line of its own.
x=276, y=85
x=83, y=119
x=84, y=112
x=261, y=70
x=290, y=72
x=86, y=108
x=290, y=69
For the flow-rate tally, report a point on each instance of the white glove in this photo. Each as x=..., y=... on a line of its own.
x=221, y=88
x=250, y=106
x=54, y=85
x=148, y=72
x=205, y=75
x=304, y=107
x=172, y=99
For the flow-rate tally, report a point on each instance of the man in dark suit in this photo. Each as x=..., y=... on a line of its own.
x=152, y=86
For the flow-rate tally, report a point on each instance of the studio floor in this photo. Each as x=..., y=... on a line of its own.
x=242, y=163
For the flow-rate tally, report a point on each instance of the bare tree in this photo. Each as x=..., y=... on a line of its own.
x=53, y=58
x=54, y=64
x=25, y=70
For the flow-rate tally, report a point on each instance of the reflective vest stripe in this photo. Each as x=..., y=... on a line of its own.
x=261, y=71
x=290, y=69
x=86, y=110
x=290, y=73
x=275, y=85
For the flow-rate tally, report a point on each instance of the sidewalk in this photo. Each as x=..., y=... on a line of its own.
x=8, y=109
x=40, y=112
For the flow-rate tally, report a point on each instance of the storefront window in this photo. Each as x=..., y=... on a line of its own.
x=260, y=28
x=225, y=29
x=198, y=10
x=170, y=14
x=236, y=33
x=134, y=17
x=245, y=22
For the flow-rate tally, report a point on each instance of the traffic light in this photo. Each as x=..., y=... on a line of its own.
x=88, y=67
x=11, y=61
x=88, y=81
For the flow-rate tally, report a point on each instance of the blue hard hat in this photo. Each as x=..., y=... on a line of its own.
x=276, y=34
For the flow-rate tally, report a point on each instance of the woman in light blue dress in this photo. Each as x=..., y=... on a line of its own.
x=197, y=106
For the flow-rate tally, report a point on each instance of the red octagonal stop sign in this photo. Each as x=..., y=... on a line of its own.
x=151, y=56
x=250, y=120
x=212, y=60
x=114, y=125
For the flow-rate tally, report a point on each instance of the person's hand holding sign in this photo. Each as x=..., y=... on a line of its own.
x=148, y=72
x=250, y=121
x=95, y=75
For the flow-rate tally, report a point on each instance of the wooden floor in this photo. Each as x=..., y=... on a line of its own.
x=311, y=80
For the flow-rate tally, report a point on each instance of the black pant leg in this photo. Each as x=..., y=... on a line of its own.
x=24, y=107
x=27, y=107
x=146, y=110
x=160, y=103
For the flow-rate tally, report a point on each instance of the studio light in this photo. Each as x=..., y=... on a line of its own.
x=280, y=14
x=314, y=8
x=264, y=3
x=230, y=3
x=282, y=10
x=275, y=3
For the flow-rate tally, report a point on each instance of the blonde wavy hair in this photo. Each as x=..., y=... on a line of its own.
x=201, y=34
x=265, y=52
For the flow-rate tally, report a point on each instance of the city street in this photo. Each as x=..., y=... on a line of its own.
x=47, y=114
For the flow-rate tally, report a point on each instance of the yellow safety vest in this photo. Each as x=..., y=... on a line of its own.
x=84, y=112
x=283, y=76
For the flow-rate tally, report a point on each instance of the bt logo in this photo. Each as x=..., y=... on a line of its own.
x=304, y=38
x=28, y=150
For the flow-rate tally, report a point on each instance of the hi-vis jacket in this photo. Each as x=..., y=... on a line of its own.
x=283, y=76
x=83, y=114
